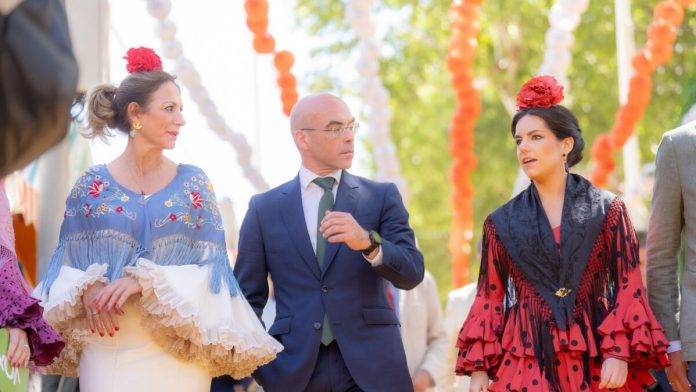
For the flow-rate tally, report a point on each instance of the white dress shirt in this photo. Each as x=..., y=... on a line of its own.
x=674, y=345
x=311, y=195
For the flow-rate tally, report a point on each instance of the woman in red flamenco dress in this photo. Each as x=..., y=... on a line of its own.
x=560, y=304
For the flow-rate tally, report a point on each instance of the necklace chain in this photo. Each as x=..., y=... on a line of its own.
x=138, y=178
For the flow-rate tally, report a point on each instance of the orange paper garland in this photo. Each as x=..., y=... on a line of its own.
x=657, y=51
x=465, y=26
x=264, y=43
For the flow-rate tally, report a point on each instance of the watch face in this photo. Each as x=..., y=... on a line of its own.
x=376, y=237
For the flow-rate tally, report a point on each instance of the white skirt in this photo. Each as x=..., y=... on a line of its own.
x=175, y=336
x=132, y=361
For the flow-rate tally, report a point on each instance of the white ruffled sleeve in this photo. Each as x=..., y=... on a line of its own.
x=63, y=309
x=218, y=331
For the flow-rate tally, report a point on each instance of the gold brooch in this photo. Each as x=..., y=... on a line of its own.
x=562, y=292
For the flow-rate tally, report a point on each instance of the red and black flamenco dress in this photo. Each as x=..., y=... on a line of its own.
x=511, y=334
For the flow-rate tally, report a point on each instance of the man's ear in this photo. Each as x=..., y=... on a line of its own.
x=300, y=139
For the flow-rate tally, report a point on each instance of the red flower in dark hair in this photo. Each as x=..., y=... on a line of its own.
x=540, y=92
x=142, y=59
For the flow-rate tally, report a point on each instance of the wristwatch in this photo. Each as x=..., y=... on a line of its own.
x=375, y=242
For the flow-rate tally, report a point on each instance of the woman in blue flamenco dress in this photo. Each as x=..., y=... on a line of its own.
x=140, y=286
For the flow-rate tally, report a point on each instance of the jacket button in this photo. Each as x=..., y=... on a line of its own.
x=317, y=325
x=324, y=289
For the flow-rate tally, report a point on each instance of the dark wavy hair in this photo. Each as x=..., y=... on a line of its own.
x=562, y=123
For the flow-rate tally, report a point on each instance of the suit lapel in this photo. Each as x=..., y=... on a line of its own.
x=293, y=217
x=346, y=201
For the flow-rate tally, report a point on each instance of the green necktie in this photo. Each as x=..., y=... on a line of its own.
x=325, y=204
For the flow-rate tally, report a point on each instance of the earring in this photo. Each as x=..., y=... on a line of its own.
x=565, y=164
x=136, y=127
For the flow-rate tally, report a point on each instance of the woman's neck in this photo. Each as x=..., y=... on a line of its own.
x=552, y=186
x=142, y=159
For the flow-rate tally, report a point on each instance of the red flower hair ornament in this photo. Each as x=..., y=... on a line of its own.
x=540, y=92
x=142, y=59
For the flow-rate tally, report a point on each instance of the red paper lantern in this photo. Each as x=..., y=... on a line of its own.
x=658, y=50
x=641, y=63
x=287, y=107
x=670, y=11
x=256, y=7
x=264, y=43
x=287, y=82
x=283, y=60
x=258, y=27
x=464, y=27
x=662, y=32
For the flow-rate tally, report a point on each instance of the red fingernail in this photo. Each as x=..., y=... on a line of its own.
x=92, y=331
x=101, y=334
x=116, y=328
x=111, y=334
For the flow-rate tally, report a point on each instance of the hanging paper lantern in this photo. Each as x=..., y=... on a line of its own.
x=657, y=51
x=264, y=43
x=283, y=60
x=190, y=79
x=257, y=26
x=670, y=11
x=464, y=28
x=256, y=7
x=287, y=82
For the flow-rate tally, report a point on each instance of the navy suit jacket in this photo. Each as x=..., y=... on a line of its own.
x=274, y=241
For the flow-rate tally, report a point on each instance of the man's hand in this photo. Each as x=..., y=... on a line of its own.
x=342, y=227
x=422, y=381
x=676, y=373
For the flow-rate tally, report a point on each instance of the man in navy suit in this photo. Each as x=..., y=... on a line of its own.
x=329, y=241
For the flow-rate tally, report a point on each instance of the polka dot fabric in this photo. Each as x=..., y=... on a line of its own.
x=19, y=310
x=503, y=332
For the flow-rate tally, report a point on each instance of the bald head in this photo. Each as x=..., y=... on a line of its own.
x=318, y=123
x=310, y=111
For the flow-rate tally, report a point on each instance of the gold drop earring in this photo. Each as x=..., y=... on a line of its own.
x=136, y=127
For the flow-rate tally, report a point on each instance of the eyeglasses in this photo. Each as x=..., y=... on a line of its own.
x=337, y=130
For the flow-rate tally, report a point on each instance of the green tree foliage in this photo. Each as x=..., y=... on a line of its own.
x=415, y=36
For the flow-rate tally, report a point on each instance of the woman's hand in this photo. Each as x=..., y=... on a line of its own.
x=18, y=351
x=117, y=293
x=101, y=322
x=614, y=373
x=479, y=382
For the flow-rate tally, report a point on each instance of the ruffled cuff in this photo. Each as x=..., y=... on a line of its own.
x=479, y=341
x=218, y=331
x=631, y=333
x=19, y=310
x=63, y=309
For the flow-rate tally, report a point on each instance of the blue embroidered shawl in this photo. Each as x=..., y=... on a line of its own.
x=107, y=223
